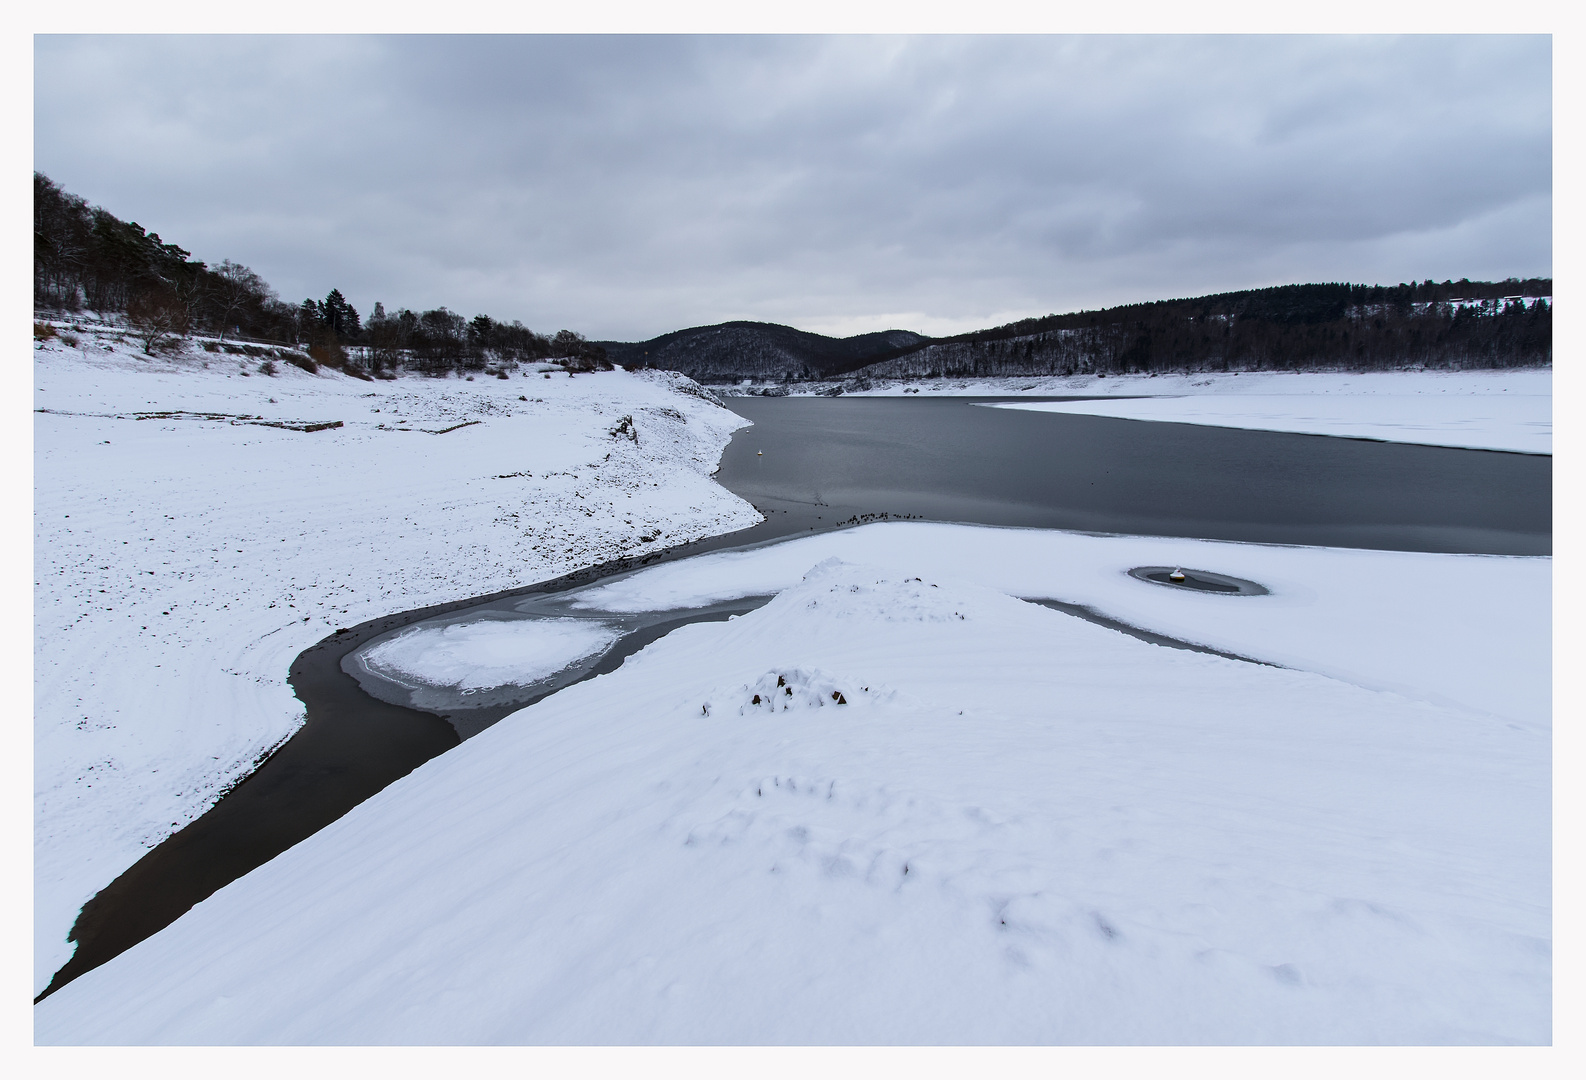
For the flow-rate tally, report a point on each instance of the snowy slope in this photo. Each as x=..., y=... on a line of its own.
x=1016, y=826
x=1471, y=631
x=183, y=561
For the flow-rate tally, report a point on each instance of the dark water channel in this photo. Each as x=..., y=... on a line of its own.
x=949, y=459
x=811, y=464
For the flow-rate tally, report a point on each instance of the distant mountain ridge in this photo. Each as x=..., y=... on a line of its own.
x=1463, y=324
x=731, y=351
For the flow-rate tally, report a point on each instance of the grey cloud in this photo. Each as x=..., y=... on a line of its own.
x=627, y=186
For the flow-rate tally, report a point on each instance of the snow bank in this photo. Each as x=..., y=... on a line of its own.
x=971, y=820
x=1484, y=422
x=1486, y=410
x=1470, y=631
x=1525, y=381
x=185, y=553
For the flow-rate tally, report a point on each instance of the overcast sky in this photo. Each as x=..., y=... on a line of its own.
x=627, y=186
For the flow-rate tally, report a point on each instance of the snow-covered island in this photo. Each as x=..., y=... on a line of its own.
x=902, y=802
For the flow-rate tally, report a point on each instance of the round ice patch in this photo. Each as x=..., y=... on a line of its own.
x=488, y=652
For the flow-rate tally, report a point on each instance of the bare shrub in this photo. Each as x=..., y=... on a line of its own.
x=156, y=317
x=329, y=353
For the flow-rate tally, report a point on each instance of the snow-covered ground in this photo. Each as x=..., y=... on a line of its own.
x=1472, y=631
x=1527, y=381
x=1514, y=423
x=950, y=816
x=1489, y=410
x=898, y=804
x=185, y=554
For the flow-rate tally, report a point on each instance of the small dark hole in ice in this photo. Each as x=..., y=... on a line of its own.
x=1198, y=580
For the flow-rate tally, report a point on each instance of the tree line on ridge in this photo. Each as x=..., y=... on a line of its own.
x=86, y=258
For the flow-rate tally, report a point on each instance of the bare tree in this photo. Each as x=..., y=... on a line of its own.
x=386, y=337
x=155, y=316
x=236, y=288
x=578, y=353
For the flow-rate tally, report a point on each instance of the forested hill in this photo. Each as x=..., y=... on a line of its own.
x=1451, y=324
x=752, y=350
x=86, y=257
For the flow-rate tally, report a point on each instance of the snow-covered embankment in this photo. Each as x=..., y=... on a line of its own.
x=186, y=552
x=892, y=807
x=1485, y=410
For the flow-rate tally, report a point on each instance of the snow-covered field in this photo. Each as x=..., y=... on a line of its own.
x=1489, y=410
x=1512, y=423
x=185, y=554
x=1529, y=381
x=898, y=804
x=1471, y=631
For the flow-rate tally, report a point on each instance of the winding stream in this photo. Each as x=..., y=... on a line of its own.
x=811, y=464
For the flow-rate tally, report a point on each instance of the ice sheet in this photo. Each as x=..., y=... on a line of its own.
x=487, y=653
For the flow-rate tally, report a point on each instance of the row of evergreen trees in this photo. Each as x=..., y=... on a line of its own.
x=84, y=257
